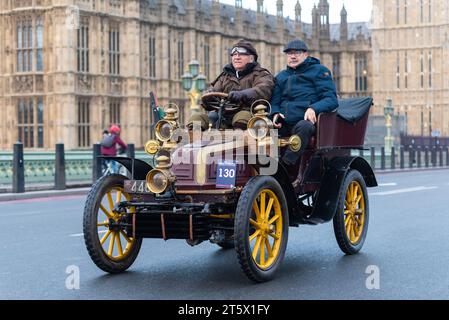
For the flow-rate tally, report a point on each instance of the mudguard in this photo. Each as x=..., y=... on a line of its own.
x=140, y=170
x=330, y=191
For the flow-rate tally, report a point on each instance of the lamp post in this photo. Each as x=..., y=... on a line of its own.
x=388, y=113
x=194, y=84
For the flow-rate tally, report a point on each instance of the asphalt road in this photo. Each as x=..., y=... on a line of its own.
x=405, y=255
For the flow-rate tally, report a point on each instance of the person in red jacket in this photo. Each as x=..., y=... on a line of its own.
x=109, y=146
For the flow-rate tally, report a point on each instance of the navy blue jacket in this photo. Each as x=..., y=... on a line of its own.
x=310, y=85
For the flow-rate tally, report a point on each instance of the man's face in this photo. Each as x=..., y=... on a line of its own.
x=240, y=59
x=295, y=58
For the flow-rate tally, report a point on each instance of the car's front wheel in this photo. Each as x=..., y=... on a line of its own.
x=261, y=228
x=104, y=227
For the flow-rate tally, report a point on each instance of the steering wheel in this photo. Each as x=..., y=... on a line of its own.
x=216, y=101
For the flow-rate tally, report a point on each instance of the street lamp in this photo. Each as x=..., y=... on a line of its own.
x=194, y=83
x=388, y=113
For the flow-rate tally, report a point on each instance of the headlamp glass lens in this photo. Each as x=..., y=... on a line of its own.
x=259, y=128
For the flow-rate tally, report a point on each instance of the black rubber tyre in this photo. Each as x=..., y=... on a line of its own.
x=105, y=261
x=352, y=216
x=259, y=227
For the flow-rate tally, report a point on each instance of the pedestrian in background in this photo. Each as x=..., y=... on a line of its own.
x=109, y=144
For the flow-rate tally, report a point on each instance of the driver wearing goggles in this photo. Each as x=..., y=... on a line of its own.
x=245, y=81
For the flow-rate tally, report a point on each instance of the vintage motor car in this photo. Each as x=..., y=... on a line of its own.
x=235, y=204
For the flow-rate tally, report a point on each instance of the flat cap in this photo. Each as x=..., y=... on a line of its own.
x=296, y=45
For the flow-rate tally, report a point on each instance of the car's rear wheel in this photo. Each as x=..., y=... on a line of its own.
x=107, y=242
x=352, y=216
x=261, y=228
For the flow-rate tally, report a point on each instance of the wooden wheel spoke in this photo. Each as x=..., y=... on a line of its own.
x=119, y=245
x=256, y=247
x=254, y=223
x=269, y=207
x=103, y=224
x=111, y=244
x=348, y=229
x=111, y=203
x=347, y=220
x=125, y=236
x=269, y=250
x=106, y=212
x=256, y=210
x=108, y=233
x=273, y=220
x=353, y=234
x=119, y=196
x=254, y=235
x=356, y=188
x=262, y=204
x=357, y=200
x=274, y=235
x=262, y=252
x=356, y=230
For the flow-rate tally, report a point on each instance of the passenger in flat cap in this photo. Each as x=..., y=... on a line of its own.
x=302, y=91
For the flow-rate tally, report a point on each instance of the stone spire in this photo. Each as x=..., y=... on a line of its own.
x=323, y=13
x=280, y=8
x=238, y=4
x=298, y=12
x=315, y=22
x=343, y=24
x=259, y=6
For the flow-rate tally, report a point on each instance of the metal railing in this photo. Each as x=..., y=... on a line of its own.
x=406, y=157
x=60, y=168
x=57, y=169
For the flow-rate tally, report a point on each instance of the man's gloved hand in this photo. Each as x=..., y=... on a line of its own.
x=241, y=96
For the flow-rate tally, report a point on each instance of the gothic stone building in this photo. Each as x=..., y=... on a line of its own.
x=70, y=68
x=410, y=59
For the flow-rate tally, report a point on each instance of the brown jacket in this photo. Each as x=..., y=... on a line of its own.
x=258, y=80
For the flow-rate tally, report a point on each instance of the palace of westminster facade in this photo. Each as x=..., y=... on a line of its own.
x=70, y=68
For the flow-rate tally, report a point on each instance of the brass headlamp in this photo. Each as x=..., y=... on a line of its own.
x=165, y=128
x=260, y=125
x=160, y=178
x=164, y=131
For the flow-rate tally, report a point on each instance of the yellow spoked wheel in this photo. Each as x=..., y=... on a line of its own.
x=354, y=212
x=266, y=229
x=351, y=219
x=115, y=242
x=105, y=227
x=261, y=228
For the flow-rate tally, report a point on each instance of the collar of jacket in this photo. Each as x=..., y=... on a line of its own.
x=229, y=69
x=304, y=65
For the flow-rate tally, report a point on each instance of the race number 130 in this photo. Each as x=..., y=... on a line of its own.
x=226, y=173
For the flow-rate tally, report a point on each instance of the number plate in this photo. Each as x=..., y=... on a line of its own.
x=136, y=186
x=226, y=173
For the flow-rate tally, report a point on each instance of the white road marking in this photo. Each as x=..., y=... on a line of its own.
x=422, y=188
x=82, y=234
x=390, y=184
